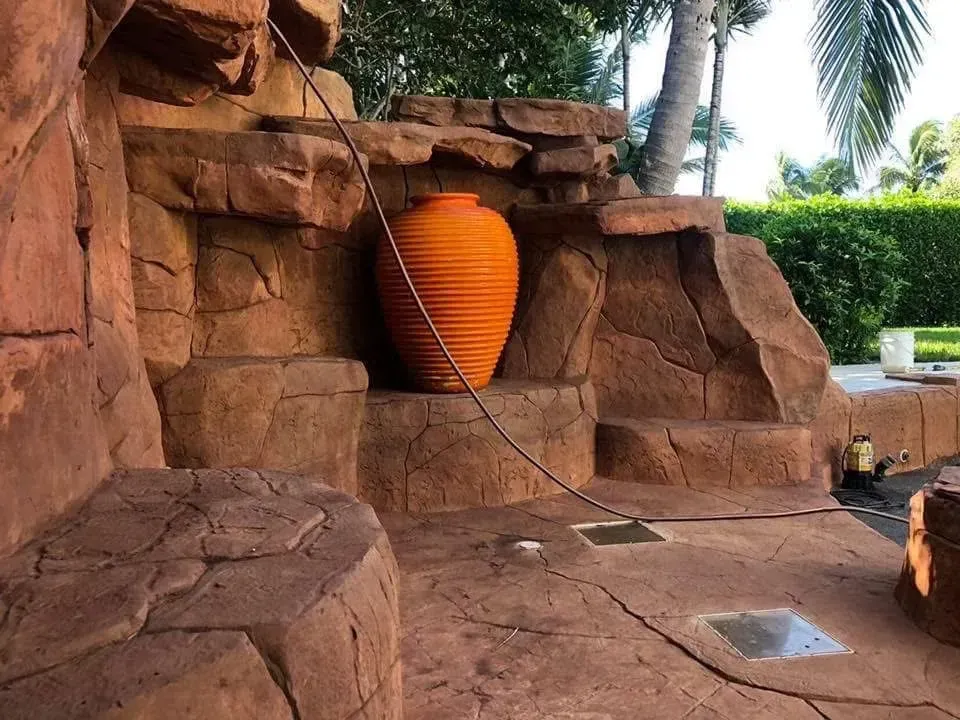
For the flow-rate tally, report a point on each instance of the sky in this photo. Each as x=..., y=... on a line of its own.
x=770, y=92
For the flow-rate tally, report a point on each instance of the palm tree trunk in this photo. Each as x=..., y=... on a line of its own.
x=713, y=131
x=672, y=121
x=625, y=52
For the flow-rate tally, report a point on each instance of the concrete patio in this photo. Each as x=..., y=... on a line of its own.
x=568, y=630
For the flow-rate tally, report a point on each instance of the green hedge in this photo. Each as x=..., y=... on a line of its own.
x=926, y=230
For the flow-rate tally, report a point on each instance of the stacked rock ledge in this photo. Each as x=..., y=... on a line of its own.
x=279, y=177
x=254, y=594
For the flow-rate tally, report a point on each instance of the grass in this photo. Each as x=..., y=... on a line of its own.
x=931, y=345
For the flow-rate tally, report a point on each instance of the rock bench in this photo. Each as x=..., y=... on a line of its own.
x=424, y=453
x=697, y=454
x=233, y=594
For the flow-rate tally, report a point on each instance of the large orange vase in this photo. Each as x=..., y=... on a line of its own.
x=463, y=261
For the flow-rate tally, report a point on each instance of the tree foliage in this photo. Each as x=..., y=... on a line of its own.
x=481, y=48
x=923, y=165
x=866, y=53
x=828, y=176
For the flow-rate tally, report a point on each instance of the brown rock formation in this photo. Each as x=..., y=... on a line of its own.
x=300, y=414
x=311, y=26
x=282, y=91
x=702, y=454
x=581, y=161
x=398, y=143
x=929, y=587
x=292, y=179
x=428, y=452
x=525, y=116
x=253, y=594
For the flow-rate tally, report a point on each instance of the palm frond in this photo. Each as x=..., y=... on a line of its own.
x=745, y=14
x=893, y=178
x=643, y=113
x=866, y=53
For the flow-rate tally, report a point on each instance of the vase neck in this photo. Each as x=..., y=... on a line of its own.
x=467, y=200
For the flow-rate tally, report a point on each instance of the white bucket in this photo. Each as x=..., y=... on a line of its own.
x=896, y=351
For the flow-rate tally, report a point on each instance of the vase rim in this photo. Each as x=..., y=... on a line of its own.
x=467, y=198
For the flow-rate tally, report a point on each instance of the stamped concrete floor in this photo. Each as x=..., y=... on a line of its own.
x=573, y=631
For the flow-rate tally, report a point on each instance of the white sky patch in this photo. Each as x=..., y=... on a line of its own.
x=770, y=92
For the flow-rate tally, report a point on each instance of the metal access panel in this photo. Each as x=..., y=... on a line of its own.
x=773, y=634
x=618, y=533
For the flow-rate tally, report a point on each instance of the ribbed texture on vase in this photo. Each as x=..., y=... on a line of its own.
x=463, y=261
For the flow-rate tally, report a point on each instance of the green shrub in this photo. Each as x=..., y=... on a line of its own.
x=842, y=276
x=927, y=231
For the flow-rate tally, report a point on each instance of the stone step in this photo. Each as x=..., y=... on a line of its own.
x=703, y=453
x=422, y=453
x=250, y=594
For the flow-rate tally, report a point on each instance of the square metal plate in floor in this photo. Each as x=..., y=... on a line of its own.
x=618, y=533
x=773, y=634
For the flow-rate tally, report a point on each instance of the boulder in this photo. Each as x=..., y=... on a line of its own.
x=425, y=453
x=771, y=364
x=283, y=91
x=300, y=414
x=149, y=79
x=219, y=594
x=565, y=163
x=444, y=111
x=603, y=187
x=311, y=26
x=929, y=586
x=293, y=179
x=399, y=143
x=197, y=39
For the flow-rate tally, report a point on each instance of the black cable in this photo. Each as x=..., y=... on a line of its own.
x=382, y=218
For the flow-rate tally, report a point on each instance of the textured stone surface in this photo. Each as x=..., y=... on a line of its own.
x=558, y=309
x=938, y=410
x=603, y=187
x=44, y=42
x=215, y=594
x=279, y=177
x=613, y=632
x=702, y=453
x=300, y=414
x=211, y=42
x=565, y=163
x=929, y=587
x=829, y=434
x=701, y=326
x=311, y=26
x=163, y=258
x=52, y=451
x=400, y=143
x=127, y=405
x=426, y=452
x=628, y=216
x=270, y=291
x=283, y=91
x=894, y=420
x=771, y=363
x=526, y=116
